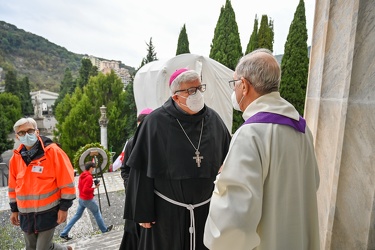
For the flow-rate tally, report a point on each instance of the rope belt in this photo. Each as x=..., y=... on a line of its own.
x=190, y=207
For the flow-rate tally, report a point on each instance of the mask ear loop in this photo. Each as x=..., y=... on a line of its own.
x=241, y=101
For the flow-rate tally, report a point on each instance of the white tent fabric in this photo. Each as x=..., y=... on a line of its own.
x=151, y=83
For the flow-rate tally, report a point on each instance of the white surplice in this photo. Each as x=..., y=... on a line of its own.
x=265, y=196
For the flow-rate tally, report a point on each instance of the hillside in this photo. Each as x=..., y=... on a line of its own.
x=42, y=61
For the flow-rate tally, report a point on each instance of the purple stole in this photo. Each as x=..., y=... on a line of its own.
x=266, y=117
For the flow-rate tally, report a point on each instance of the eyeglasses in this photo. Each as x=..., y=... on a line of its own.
x=23, y=133
x=193, y=90
x=232, y=83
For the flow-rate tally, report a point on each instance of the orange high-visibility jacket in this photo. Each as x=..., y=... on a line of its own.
x=40, y=185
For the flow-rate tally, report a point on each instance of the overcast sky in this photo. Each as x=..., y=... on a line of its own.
x=120, y=29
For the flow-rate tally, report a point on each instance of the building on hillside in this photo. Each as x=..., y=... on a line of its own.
x=43, y=101
x=106, y=66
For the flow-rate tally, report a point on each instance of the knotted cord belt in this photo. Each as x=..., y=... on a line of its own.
x=190, y=207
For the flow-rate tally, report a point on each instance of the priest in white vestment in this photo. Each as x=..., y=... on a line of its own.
x=265, y=196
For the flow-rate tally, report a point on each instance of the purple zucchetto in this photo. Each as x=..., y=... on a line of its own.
x=146, y=111
x=175, y=74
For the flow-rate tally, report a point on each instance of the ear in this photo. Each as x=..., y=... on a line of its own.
x=245, y=86
x=175, y=97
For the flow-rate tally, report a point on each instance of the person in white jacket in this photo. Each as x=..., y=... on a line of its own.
x=265, y=196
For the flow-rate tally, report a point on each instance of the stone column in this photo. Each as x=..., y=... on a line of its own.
x=103, y=122
x=340, y=110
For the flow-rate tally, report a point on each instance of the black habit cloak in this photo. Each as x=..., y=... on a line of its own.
x=162, y=160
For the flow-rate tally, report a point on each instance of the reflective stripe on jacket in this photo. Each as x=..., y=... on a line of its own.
x=39, y=186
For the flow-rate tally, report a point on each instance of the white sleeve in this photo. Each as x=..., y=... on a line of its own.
x=236, y=203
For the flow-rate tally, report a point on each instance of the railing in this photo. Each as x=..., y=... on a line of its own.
x=4, y=172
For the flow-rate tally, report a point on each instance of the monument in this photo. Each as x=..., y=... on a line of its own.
x=103, y=122
x=38, y=116
x=340, y=110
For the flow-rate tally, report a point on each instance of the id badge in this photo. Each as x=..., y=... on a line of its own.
x=37, y=169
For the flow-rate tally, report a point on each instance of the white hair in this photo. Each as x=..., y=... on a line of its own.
x=23, y=121
x=184, y=77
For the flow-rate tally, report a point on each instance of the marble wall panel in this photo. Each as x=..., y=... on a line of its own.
x=340, y=110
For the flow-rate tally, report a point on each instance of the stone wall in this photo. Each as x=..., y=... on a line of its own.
x=340, y=110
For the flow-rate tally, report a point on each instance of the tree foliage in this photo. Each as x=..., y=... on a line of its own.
x=183, y=42
x=63, y=110
x=85, y=72
x=21, y=89
x=5, y=143
x=226, y=45
x=151, y=54
x=78, y=114
x=67, y=86
x=25, y=97
x=130, y=110
x=11, y=83
x=295, y=61
x=265, y=34
x=10, y=107
x=253, y=42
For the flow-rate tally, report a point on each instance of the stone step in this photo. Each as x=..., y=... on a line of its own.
x=106, y=241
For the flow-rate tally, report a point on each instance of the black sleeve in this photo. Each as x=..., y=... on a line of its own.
x=139, y=199
x=65, y=204
x=125, y=169
x=13, y=207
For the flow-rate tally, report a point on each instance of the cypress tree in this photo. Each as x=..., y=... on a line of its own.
x=21, y=89
x=85, y=72
x=66, y=86
x=11, y=83
x=226, y=45
x=183, y=42
x=24, y=95
x=151, y=54
x=265, y=34
x=253, y=42
x=295, y=61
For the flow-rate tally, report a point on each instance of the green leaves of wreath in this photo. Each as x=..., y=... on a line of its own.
x=81, y=150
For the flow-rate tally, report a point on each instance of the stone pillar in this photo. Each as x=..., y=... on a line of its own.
x=340, y=110
x=103, y=122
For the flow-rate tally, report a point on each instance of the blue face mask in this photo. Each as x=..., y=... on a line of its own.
x=28, y=139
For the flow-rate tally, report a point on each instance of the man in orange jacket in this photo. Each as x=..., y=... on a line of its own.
x=41, y=186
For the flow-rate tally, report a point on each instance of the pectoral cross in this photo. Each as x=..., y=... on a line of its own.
x=198, y=158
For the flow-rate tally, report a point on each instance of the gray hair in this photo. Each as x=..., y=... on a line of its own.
x=185, y=77
x=261, y=69
x=23, y=121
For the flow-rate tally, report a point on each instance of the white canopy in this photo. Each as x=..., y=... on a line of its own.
x=151, y=83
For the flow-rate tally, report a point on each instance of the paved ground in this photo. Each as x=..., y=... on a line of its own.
x=85, y=233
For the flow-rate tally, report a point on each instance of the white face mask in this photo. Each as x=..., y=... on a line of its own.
x=28, y=140
x=194, y=102
x=235, y=104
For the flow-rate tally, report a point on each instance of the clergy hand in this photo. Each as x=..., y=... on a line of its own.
x=146, y=224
